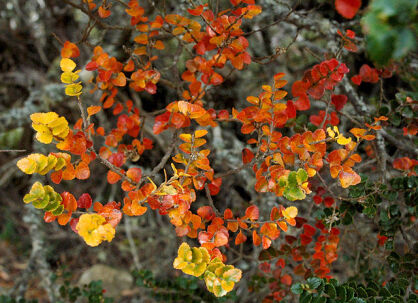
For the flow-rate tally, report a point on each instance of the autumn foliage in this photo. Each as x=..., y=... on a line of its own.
x=288, y=162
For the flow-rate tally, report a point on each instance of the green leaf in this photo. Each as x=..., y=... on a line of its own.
x=319, y=300
x=384, y=292
x=314, y=282
x=293, y=193
x=361, y=292
x=301, y=176
x=371, y=292
x=407, y=112
x=341, y=293
x=395, y=119
x=330, y=291
x=41, y=203
x=405, y=42
x=350, y=293
x=348, y=219
x=296, y=288
x=292, y=179
x=306, y=298
x=58, y=211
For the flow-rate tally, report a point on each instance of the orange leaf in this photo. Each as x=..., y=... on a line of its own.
x=103, y=13
x=70, y=50
x=206, y=213
x=282, y=225
x=137, y=209
x=256, y=238
x=241, y=238
x=82, y=171
x=200, y=133
x=348, y=177
x=120, y=80
x=266, y=242
x=92, y=110
x=112, y=177
x=247, y=156
x=252, y=213
x=64, y=218
x=69, y=201
x=221, y=238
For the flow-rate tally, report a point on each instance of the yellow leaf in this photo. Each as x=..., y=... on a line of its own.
x=43, y=118
x=186, y=137
x=342, y=140
x=68, y=77
x=73, y=89
x=290, y=212
x=59, y=127
x=94, y=229
x=67, y=65
x=45, y=138
x=330, y=132
x=167, y=190
x=200, y=133
x=27, y=165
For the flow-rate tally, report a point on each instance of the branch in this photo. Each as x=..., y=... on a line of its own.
x=96, y=19
x=218, y=214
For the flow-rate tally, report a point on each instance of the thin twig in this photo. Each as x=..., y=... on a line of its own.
x=218, y=214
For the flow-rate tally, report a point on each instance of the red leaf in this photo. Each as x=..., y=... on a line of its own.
x=73, y=224
x=84, y=201
x=49, y=217
x=305, y=240
x=196, y=11
x=347, y=8
x=223, y=114
x=287, y=280
x=290, y=239
x=317, y=199
x=368, y=74
x=303, y=103
x=206, y=212
x=356, y=79
x=92, y=66
x=266, y=267
x=281, y=263
x=290, y=110
x=339, y=101
x=328, y=201
x=69, y=201
x=247, y=156
x=381, y=240
x=309, y=230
